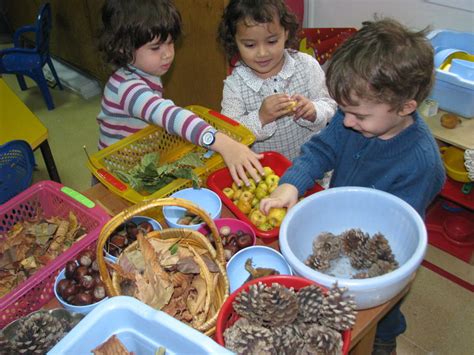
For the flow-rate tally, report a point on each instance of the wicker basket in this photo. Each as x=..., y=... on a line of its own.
x=184, y=238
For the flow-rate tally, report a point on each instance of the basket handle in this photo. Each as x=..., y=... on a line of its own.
x=137, y=209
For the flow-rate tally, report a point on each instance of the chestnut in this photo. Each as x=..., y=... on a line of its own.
x=87, y=282
x=95, y=266
x=244, y=240
x=119, y=241
x=132, y=230
x=61, y=286
x=82, y=299
x=69, y=291
x=146, y=227
x=86, y=258
x=70, y=269
x=81, y=271
x=99, y=292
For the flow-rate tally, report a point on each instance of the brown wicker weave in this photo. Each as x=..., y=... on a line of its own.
x=184, y=237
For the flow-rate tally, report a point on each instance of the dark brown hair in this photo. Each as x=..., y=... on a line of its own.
x=383, y=62
x=259, y=11
x=129, y=24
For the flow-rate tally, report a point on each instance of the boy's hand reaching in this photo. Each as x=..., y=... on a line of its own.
x=273, y=107
x=304, y=108
x=285, y=195
x=239, y=159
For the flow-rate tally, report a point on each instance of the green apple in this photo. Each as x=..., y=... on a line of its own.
x=237, y=194
x=228, y=192
x=247, y=196
x=272, y=179
x=254, y=202
x=267, y=171
x=262, y=185
x=244, y=206
x=251, y=187
x=275, y=216
x=260, y=193
x=257, y=218
x=265, y=227
x=271, y=188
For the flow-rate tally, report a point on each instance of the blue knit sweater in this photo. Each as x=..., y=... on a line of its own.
x=408, y=165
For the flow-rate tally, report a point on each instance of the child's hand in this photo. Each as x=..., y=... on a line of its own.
x=273, y=107
x=285, y=195
x=304, y=108
x=239, y=159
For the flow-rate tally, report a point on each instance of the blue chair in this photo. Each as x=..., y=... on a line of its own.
x=17, y=163
x=30, y=61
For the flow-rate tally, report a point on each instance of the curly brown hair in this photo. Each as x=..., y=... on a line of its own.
x=129, y=24
x=383, y=62
x=259, y=11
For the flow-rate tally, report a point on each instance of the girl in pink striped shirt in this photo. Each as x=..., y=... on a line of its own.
x=138, y=38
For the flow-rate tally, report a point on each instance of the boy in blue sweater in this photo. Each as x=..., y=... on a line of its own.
x=378, y=77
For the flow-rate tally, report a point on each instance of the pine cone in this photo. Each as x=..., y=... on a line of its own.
x=320, y=339
x=288, y=338
x=381, y=248
x=356, y=245
x=37, y=334
x=338, y=311
x=245, y=338
x=327, y=246
x=310, y=301
x=268, y=306
x=317, y=263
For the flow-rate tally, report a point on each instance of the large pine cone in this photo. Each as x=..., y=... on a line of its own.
x=37, y=334
x=268, y=306
x=246, y=338
x=289, y=338
x=317, y=263
x=356, y=245
x=310, y=302
x=320, y=339
x=327, y=246
x=338, y=311
x=381, y=249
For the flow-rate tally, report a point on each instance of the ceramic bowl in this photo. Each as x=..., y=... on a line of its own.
x=70, y=307
x=206, y=199
x=339, y=209
x=262, y=257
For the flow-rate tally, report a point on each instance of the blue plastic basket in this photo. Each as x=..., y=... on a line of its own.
x=16, y=168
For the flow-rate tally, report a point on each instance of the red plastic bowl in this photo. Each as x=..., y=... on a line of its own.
x=459, y=230
x=227, y=316
x=221, y=179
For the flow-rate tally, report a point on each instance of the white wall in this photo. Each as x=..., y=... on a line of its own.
x=416, y=14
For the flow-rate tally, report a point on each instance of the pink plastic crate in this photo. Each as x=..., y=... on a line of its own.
x=46, y=199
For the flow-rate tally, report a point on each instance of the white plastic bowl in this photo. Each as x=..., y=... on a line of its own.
x=342, y=208
x=206, y=199
x=262, y=256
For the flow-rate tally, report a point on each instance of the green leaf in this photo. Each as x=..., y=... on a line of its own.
x=173, y=249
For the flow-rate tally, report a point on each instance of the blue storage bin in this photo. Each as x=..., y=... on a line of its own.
x=139, y=327
x=454, y=85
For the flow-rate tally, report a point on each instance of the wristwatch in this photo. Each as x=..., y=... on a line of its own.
x=208, y=138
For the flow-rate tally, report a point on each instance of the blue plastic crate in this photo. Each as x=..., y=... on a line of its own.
x=16, y=168
x=454, y=64
x=139, y=327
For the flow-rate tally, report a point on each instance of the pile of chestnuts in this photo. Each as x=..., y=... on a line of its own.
x=125, y=235
x=233, y=242
x=82, y=284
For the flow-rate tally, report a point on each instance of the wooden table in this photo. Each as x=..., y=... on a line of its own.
x=18, y=122
x=363, y=333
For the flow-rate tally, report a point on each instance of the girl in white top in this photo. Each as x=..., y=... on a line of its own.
x=278, y=93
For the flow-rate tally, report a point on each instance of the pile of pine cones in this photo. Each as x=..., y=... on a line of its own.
x=373, y=256
x=279, y=320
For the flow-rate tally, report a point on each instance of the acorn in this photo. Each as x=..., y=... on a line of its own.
x=81, y=271
x=87, y=282
x=82, y=299
x=61, y=286
x=86, y=258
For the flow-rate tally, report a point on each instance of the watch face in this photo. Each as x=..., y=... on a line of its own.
x=208, y=138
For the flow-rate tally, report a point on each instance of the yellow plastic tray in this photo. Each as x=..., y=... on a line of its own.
x=127, y=153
